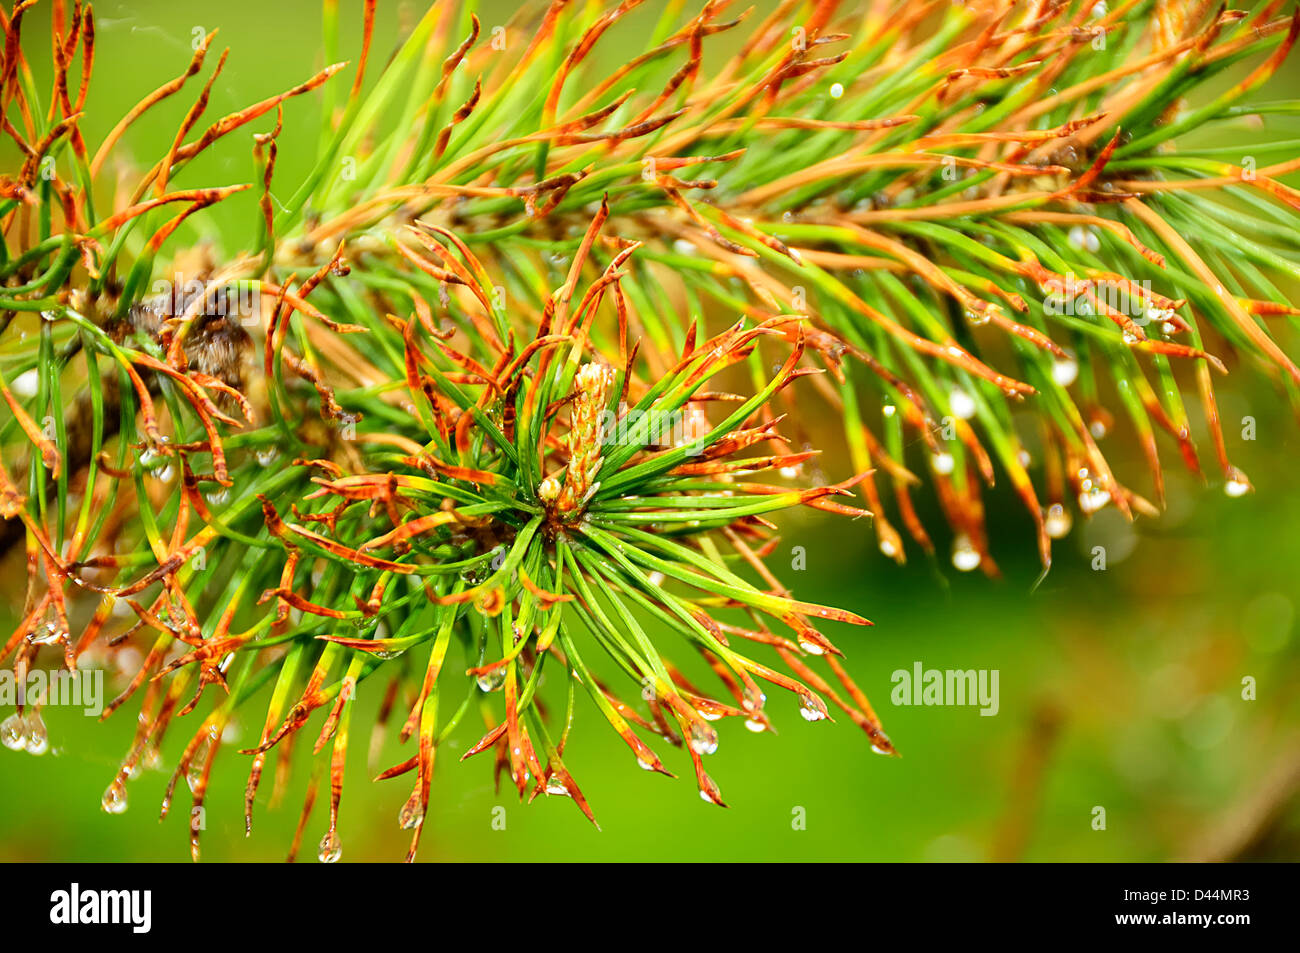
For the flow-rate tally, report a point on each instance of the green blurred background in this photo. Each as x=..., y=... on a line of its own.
x=1120, y=688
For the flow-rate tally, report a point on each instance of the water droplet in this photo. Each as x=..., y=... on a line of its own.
x=964, y=555
x=976, y=319
x=644, y=765
x=1091, y=500
x=555, y=785
x=38, y=739
x=752, y=699
x=889, y=410
x=267, y=455
x=942, y=462
x=889, y=548
x=811, y=647
x=411, y=815
x=837, y=90
x=46, y=633
x=114, y=800
x=812, y=708
x=878, y=749
x=492, y=681
x=754, y=725
x=961, y=403
x=27, y=384
x=218, y=496
x=1238, y=483
x=1065, y=370
x=1077, y=237
x=330, y=848
x=1058, y=521
x=152, y=758
x=13, y=733
x=704, y=740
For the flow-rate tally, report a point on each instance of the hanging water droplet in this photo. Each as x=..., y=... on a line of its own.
x=942, y=462
x=364, y=622
x=411, y=815
x=1077, y=237
x=1065, y=370
x=837, y=90
x=752, y=699
x=266, y=456
x=1238, y=484
x=878, y=749
x=492, y=681
x=13, y=733
x=976, y=319
x=754, y=725
x=889, y=548
x=38, y=739
x=219, y=496
x=46, y=633
x=114, y=800
x=964, y=555
x=811, y=647
x=704, y=740
x=1093, y=499
x=1057, y=522
x=330, y=848
x=962, y=404
x=555, y=785
x=644, y=765
x=152, y=758
x=812, y=708
x=27, y=384
x=889, y=410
